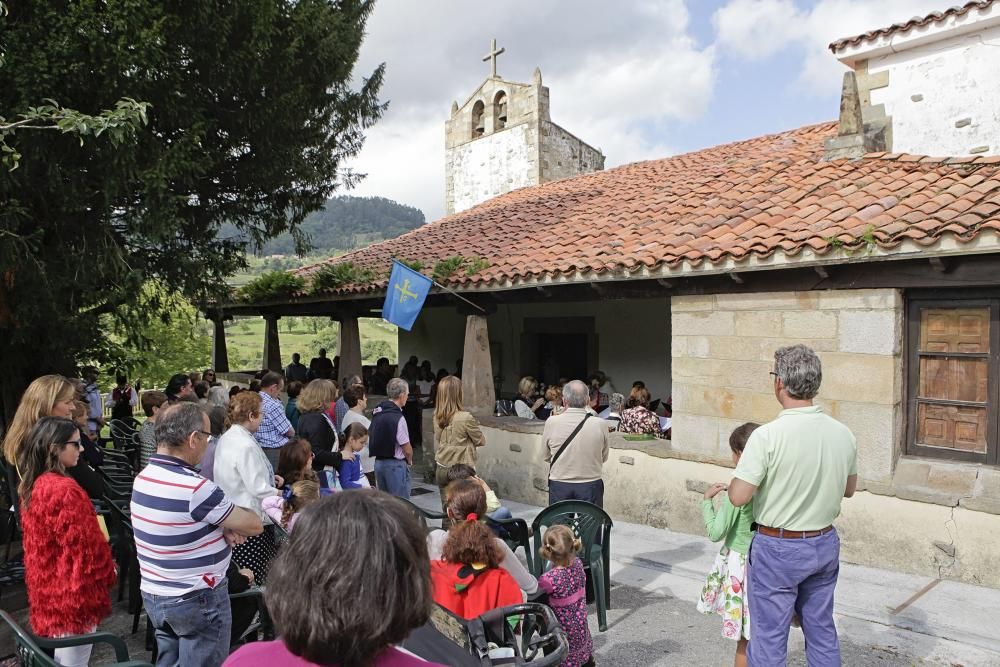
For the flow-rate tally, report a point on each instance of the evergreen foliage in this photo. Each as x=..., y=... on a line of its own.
x=449, y=266
x=270, y=286
x=252, y=108
x=414, y=264
x=333, y=276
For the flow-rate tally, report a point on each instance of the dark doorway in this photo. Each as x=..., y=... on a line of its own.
x=558, y=347
x=562, y=356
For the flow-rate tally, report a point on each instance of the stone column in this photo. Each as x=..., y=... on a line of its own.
x=350, y=347
x=220, y=354
x=477, y=367
x=272, y=347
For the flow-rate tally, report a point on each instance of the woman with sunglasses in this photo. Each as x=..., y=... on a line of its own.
x=209, y=377
x=67, y=560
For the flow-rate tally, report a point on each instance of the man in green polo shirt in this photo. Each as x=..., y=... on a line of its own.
x=796, y=469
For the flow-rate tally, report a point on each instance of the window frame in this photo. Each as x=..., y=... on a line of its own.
x=950, y=300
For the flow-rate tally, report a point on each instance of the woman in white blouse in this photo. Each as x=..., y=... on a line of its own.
x=243, y=472
x=527, y=401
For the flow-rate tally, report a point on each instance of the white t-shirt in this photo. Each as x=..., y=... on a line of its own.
x=367, y=461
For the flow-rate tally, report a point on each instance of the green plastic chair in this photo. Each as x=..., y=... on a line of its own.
x=593, y=526
x=518, y=535
x=423, y=516
x=32, y=650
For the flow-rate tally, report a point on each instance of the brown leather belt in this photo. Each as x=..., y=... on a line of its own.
x=792, y=534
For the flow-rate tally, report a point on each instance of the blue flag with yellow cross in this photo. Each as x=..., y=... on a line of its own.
x=404, y=297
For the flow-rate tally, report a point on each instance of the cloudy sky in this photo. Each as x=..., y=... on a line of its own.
x=638, y=79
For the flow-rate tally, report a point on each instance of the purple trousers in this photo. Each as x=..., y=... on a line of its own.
x=786, y=575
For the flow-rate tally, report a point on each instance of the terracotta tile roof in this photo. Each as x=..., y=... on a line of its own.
x=768, y=195
x=915, y=22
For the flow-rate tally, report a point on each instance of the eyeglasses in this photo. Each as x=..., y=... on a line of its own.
x=204, y=433
x=76, y=443
x=774, y=374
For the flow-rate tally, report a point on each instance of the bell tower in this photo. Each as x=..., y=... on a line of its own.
x=501, y=139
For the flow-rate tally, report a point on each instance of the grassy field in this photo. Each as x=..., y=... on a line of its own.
x=305, y=335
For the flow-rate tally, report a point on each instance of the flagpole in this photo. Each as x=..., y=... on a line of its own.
x=453, y=292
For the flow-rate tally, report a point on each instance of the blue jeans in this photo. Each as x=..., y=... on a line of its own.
x=501, y=514
x=800, y=575
x=393, y=476
x=191, y=629
x=592, y=492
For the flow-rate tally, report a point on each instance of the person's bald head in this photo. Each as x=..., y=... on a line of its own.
x=576, y=394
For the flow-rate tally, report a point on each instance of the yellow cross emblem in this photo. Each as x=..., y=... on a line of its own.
x=404, y=291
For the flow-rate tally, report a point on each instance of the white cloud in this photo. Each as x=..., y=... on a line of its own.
x=616, y=71
x=757, y=29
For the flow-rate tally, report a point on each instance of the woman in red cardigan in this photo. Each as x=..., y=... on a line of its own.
x=67, y=561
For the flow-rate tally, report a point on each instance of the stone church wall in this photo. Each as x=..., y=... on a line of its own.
x=492, y=165
x=723, y=352
x=941, y=96
x=564, y=154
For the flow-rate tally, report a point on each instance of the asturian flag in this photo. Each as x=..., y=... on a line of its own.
x=404, y=297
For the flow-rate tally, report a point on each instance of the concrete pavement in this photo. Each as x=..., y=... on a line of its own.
x=884, y=617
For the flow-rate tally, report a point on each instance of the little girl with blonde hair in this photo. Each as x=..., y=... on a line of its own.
x=284, y=509
x=566, y=584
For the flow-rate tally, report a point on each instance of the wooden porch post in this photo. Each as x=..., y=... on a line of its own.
x=272, y=347
x=477, y=367
x=220, y=354
x=350, y=347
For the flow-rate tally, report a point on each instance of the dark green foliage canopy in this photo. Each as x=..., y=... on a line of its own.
x=252, y=111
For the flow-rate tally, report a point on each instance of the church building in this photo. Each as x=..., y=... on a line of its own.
x=502, y=139
x=873, y=239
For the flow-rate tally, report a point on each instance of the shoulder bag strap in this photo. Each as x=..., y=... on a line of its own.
x=568, y=440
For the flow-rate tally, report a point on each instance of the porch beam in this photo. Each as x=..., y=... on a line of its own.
x=350, y=346
x=477, y=367
x=940, y=265
x=916, y=273
x=272, y=346
x=220, y=353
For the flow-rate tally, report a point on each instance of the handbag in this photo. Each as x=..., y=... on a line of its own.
x=562, y=447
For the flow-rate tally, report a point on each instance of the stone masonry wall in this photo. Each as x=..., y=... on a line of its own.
x=942, y=96
x=563, y=155
x=490, y=166
x=723, y=351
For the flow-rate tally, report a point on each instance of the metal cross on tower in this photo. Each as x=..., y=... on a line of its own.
x=492, y=57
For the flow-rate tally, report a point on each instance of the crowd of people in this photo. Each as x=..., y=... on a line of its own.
x=635, y=414
x=225, y=477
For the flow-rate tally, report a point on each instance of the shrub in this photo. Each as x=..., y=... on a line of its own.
x=271, y=285
x=337, y=275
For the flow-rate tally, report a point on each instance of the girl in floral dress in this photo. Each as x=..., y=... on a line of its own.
x=566, y=585
x=724, y=591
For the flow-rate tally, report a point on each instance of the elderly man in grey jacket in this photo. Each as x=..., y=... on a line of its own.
x=575, y=444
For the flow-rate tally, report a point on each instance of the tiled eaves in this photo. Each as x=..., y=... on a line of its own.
x=915, y=22
x=738, y=204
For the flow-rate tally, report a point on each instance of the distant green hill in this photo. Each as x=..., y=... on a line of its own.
x=346, y=223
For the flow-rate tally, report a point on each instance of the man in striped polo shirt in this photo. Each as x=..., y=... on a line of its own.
x=184, y=526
